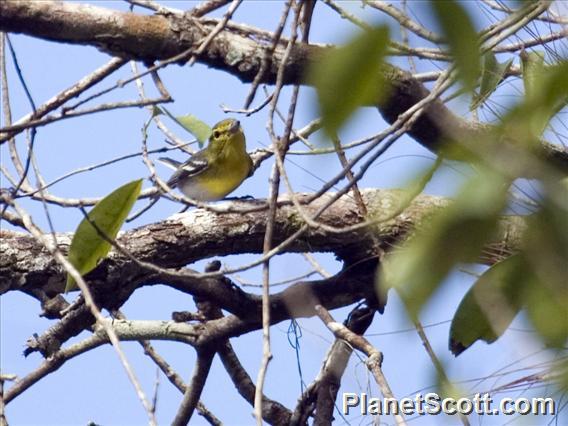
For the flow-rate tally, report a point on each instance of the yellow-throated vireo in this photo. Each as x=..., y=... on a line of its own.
x=216, y=171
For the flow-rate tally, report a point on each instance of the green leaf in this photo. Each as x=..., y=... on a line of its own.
x=453, y=235
x=492, y=72
x=444, y=387
x=551, y=86
x=547, y=94
x=546, y=247
x=88, y=247
x=546, y=242
x=193, y=125
x=350, y=76
x=532, y=65
x=489, y=306
x=548, y=311
x=462, y=39
x=196, y=127
x=535, y=279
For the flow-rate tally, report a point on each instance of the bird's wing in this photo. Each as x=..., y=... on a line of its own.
x=196, y=164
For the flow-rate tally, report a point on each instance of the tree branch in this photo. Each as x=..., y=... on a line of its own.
x=199, y=234
x=272, y=411
x=374, y=360
x=195, y=387
x=27, y=266
x=328, y=382
x=237, y=50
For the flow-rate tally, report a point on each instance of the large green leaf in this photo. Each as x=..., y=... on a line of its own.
x=462, y=39
x=350, y=76
x=88, y=246
x=536, y=279
x=492, y=73
x=489, y=306
x=453, y=235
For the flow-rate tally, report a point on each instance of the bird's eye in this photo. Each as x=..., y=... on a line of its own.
x=216, y=134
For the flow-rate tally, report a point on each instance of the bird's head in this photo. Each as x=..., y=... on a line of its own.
x=227, y=134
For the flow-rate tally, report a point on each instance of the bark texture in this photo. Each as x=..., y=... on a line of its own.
x=200, y=234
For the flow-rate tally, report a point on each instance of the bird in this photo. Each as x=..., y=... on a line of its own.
x=217, y=170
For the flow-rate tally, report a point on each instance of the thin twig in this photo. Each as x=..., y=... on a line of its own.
x=152, y=5
x=268, y=52
x=501, y=7
x=405, y=39
x=403, y=19
x=97, y=166
x=280, y=146
x=7, y=111
x=536, y=41
x=346, y=15
x=436, y=362
x=24, y=173
x=78, y=113
x=69, y=93
x=271, y=410
x=315, y=264
x=248, y=112
x=208, y=6
x=218, y=28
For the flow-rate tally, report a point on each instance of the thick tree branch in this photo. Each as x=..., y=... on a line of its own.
x=200, y=234
x=348, y=286
x=26, y=266
x=238, y=50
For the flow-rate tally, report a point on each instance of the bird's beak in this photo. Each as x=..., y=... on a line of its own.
x=235, y=127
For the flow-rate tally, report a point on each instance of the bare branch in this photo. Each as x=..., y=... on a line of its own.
x=67, y=94
x=403, y=19
x=272, y=411
x=195, y=387
x=323, y=391
x=179, y=240
x=172, y=376
x=374, y=360
x=208, y=6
